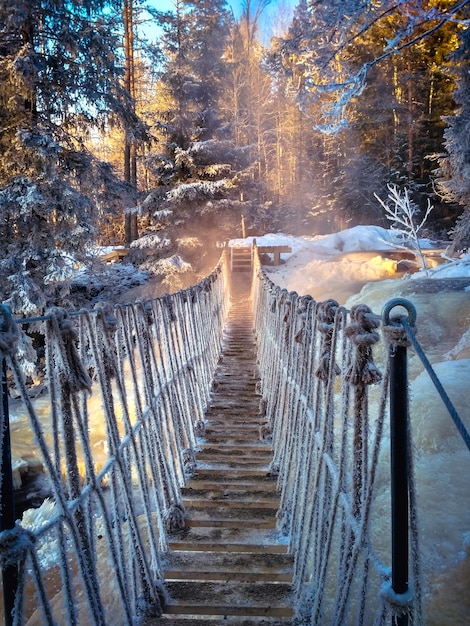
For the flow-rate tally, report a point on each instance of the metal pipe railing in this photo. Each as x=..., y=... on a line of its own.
x=399, y=449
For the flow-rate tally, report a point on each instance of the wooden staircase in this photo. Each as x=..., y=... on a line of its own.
x=230, y=565
x=241, y=259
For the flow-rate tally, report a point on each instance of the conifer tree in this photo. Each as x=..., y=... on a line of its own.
x=371, y=74
x=454, y=166
x=201, y=171
x=59, y=77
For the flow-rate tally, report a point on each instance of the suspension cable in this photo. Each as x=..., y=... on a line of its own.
x=438, y=385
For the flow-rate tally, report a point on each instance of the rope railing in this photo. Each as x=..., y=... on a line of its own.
x=326, y=400
x=128, y=387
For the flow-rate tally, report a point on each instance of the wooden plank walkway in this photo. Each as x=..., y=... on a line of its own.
x=230, y=565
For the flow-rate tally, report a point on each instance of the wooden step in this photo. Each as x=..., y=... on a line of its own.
x=231, y=409
x=230, y=514
x=221, y=560
x=248, y=431
x=247, y=428
x=221, y=536
x=231, y=493
x=222, y=417
x=246, y=505
x=227, y=620
x=234, y=453
x=240, y=473
x=255, y=447
x=231, y=439
x=223, y=465
x=198, y=543
x=241, y=599
x=246, y=477
x=238, y=523
x=206, y=489
x=226, y=576
x=219, y=423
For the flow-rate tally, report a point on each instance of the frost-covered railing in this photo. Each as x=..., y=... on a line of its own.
x=326, y=401
x=128, y=387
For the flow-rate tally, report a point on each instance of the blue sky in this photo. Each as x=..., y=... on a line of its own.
x=166, y=5
x=268, y=20
x=236, y=5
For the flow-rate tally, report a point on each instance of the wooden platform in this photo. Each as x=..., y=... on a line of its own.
x=276, y=251
x=115, y=256
x=241, y=257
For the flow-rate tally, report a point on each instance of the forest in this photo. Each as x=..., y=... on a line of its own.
x=170, y=132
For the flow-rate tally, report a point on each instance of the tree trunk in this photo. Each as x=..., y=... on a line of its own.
x=410, y=126
x=130, y=150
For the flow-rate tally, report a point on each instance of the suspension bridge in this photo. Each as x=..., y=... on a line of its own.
x=212, y=456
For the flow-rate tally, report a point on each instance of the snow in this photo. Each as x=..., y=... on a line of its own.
x=356, y=239
x=190, y=191
x=151, y=240
x=106, y=282
x=459, y=268
x=338, y=265
x=174, y=264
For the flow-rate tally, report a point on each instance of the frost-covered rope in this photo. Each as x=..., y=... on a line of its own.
x=128, y=387
x=325, y=401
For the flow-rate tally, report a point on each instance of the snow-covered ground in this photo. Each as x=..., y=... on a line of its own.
x=337, y=265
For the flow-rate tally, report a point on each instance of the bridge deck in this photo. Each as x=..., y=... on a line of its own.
x=230, y=565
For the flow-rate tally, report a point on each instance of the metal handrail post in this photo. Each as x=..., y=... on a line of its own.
x=399, y=471
x=399, y=451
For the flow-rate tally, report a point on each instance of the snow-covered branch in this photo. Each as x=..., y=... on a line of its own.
x=337, y=29
x=152, y=241
x=403, y=213
x=192, y=191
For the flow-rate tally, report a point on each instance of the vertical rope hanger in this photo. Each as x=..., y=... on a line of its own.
x=131, y=460
x=328, y=461
x=173, y=512
x=71, y=378
x=108, y=370
x=152, y=450
x=360, y=374
x=323, y=480
x=17, y=544
x=300, y=372
x=108, y=342
x=301, y=493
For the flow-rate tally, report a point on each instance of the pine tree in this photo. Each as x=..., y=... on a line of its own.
x=202, y=174
x=59, y=76
x=336, y=51
x=454, y=166
x=331, y=31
